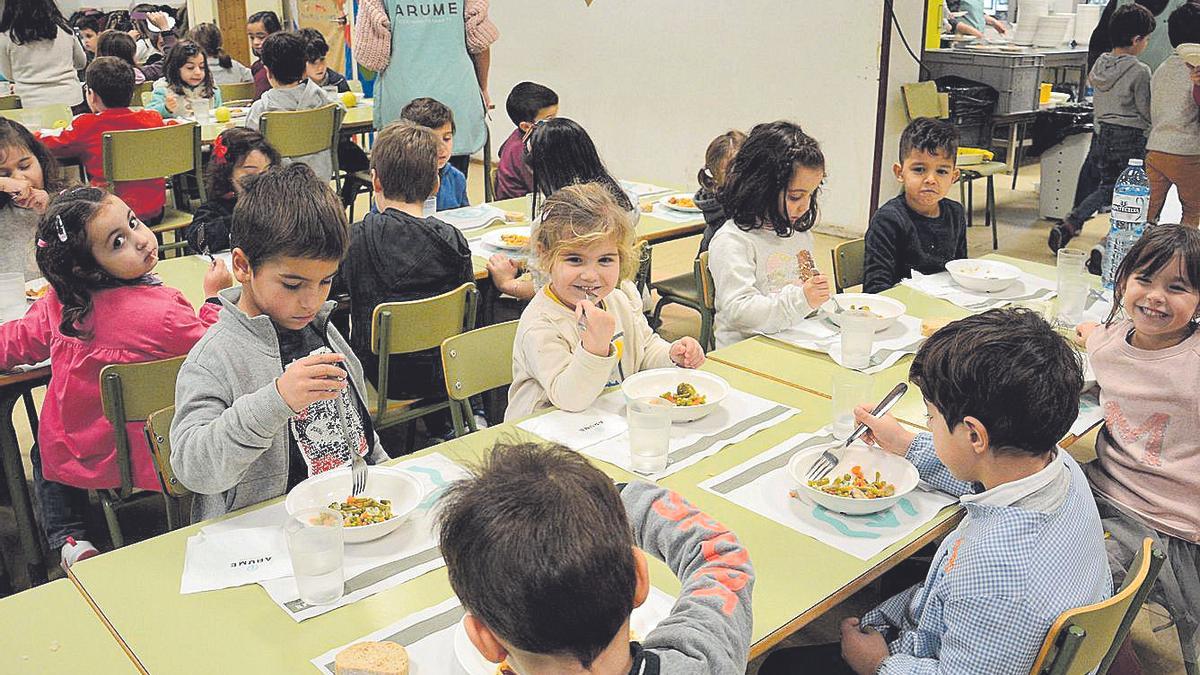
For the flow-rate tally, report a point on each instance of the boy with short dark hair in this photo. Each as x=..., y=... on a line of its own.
x=428, y=112
x=1121, y=83
x=528, y=103
x=541, y=552
x=1002, y=388
x=272, y=394
x=919, y=229
x=397, y=254
x=285, y=56
x=109, y=91
x=317, y=71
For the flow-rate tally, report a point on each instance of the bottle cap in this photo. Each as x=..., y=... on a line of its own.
x=1135, y=162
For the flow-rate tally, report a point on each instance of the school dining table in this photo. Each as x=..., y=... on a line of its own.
x=52, y=630
x=798, y=578
x=357, y=120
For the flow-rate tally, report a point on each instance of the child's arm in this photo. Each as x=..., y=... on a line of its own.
x=893, y=612
x=158, y=102
x=709, y=626
x=883, y=248
x=27, y=340
x=212, y=221
x=572, y=378
x=1141, y=94
x=733, y=268
x=67, y=142
x=656, y=352
x=922, y=455
x=254, y=114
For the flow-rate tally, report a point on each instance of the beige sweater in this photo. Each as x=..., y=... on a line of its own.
x=552, y=369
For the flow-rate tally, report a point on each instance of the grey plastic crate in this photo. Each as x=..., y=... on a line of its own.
x=1016, y=77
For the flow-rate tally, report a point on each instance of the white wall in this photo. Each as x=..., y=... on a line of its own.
x=653, y=82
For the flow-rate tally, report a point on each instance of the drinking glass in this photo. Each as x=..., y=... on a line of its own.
x=1072, y=299
x=1070, y=263
x=850, y=389
x=200, y=108
x=858, y=336
x=12, y=295
x=316, y=544
x=649, y=434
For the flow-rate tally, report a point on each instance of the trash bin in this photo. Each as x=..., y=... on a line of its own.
x=1061, y=136
x=971, y=107
x=1051, y=126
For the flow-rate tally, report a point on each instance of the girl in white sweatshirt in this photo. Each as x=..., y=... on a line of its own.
x=585, y=330
x=761, y=259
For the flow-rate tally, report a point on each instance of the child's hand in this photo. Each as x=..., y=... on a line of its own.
x=311, y=379
x=863, y=648
x=172, y=103
x=35, y=200
x=885, y=431
x=1083, y=331
x=599, y=328
x=687, y=353
x=217, y=278
x=816, y=290
x=18, y=188
x=503, y=271
x=158, y=19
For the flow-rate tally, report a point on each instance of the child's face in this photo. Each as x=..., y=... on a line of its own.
x=445, y=134
x=797, y=197
x=316, y=71
x=17, y=162
x=926, y=178
x=254, y=163
x=192, y=72
x=594, y=269
x=257, y=33
x=121, y=244
x=547, y=113
x=88, y=36
x=289, y=290
x=953, y=447
x=1161, y=305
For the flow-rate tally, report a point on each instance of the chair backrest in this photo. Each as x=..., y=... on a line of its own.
x=10, y=102
x=704, y=281
x=1086, y=639
x=478, y=360
x=294, y=133
x=848, y=261
x=41, y=117
x=921, y=99
x=131, y=392
x=236, y=91
x=143, y=154
x=143, y=92
x=158, y=432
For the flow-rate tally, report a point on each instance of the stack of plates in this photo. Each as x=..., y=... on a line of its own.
x=1052, y=30
x=1030, y=9
x=1062, y=6
x=1024, y=31
x=1087, y=17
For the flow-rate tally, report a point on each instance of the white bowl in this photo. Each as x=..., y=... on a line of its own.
x=651, y=384
x=383, y=482
x=985, y=276
x=892, y=468
x=886, y=310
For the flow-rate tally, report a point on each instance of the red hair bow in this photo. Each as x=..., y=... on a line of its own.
x=219, y=150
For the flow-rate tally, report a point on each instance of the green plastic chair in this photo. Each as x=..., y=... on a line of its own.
x=40, y=117
x=414, y=326
x=236, y=92
x=144, y=154
x=474, y=362
x=1087, y=639
x=158, y=433
x=687, y=290
x=848, y=263
x=10, y=102
x=708, y=296
x=143, y=92
x=131, y=392
x=295, y=133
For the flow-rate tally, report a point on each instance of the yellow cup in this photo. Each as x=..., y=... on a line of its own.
x=1044, y=96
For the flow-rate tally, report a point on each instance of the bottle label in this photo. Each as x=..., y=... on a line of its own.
x=1131, y=206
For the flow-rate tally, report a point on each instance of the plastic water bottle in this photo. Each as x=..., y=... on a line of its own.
x=1130, y=207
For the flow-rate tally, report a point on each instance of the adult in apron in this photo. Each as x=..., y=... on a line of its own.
x=429, y=58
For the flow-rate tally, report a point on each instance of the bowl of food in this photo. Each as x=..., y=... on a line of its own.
x=681, y=202
x=866, y=479
x=508, y=238
x=691, y=394
x=389, y=499
x=883, y=309
x=985, y=276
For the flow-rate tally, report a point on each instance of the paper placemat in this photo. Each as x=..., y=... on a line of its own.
x=478, y=248
x=471, y=217
x=1027, y=287
x=601, y=431
x=640, y=190
x=671, y=215
x=819, y=334
x=428, y=635
x=763, y=486
x=1090, y=414
x=229, y=558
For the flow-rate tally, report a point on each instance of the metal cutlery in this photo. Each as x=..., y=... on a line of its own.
x=827, y=461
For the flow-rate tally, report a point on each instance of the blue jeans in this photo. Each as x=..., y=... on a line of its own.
x=1116, y=145
x=62, y=507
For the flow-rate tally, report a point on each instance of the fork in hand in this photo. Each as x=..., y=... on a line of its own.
x=825, y=463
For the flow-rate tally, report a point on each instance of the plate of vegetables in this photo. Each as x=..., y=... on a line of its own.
x=389, y=499
x=690, y=394
x=866, y=479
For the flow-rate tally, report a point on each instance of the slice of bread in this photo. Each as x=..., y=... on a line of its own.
x=933, y=325
x=372, y=658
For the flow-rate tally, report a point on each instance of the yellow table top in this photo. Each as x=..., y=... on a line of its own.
x=359, y=118
x=242, y=630
x=52, y=629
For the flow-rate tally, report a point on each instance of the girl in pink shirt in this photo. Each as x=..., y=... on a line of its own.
x=103, y=306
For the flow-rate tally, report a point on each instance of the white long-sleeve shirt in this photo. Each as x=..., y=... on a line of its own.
x=43, y=72
x=753, y=275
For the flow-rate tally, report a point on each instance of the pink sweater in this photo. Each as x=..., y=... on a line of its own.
x=129, y=324
x=1149, y=458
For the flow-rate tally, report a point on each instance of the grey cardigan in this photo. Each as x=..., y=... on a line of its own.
x=229, y=438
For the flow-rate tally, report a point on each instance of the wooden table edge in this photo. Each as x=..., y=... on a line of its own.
x=107, y=624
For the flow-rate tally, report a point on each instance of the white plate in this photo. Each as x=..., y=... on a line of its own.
x=383, y=482
x=651, y=384
x=495, y=238
x=666, y=202
x=892, y=468
x=886, y=310
x=35, y=284
x=985, y=276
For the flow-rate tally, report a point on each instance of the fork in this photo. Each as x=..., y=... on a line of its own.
x=358, y=465
x=591, y=297
x=825, y=463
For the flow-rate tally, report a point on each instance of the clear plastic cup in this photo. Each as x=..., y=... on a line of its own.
x=1072, y=300
x=1069, y=263
x=12, y=296
x=858, y=336
x=850, y=389
x=316, y=543
x=200, y=107
x=649, y=434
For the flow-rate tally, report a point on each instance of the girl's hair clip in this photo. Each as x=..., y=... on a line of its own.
x=41, y=243
x=60, y=228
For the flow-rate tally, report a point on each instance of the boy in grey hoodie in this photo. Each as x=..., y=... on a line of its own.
x=541, y=552
x=272, y=394
x=1122, y=97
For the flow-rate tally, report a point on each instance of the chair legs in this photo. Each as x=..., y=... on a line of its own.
x=991, y=210
x=174, y=515
x=110, y=517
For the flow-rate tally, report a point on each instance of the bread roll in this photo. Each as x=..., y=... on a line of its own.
x=931, y=326
x=372, y=658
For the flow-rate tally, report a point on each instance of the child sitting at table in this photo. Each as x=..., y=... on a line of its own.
x=452, y=184
x=27, y=176
x=918, y=229
x=185, y=79
x=272, y=394
x=223, y=67
x=104, y=305
x=1146, y=357
x=585, y=330
x=717, y=158
x=285, y=56
x=1002, y=388
x=761, y=259
x=236, y=154
x=549, y=559
x=527, y=103
x=109, y=90
x=259, y=27
x=317, y=71
x=1173, y=146
x=397, y=254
